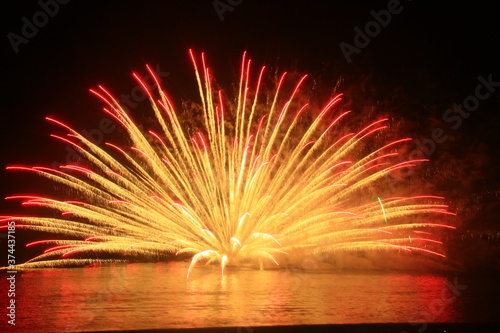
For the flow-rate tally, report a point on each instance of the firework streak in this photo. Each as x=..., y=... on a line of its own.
x=246, y=188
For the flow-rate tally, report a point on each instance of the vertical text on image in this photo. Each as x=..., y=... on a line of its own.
x=11, y=273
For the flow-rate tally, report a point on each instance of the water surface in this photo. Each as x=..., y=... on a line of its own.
x=148, y=296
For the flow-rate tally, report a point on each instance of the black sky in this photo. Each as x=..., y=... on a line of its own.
x=426, y=59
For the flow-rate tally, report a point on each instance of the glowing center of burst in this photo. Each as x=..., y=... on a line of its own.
x=233, y=253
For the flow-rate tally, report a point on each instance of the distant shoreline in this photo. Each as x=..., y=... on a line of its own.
x=349, y=328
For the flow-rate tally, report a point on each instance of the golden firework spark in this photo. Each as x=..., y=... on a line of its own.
x=249, y=190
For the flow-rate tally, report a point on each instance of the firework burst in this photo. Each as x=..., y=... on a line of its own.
x=246, y=188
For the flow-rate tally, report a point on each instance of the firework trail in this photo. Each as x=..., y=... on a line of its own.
x=246, y=188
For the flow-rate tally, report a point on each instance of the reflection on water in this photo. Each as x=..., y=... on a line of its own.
x=139, y=296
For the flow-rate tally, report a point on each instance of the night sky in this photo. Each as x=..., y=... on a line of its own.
x=427, y=58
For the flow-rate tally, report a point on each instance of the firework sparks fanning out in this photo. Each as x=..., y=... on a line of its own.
x=244, y=189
